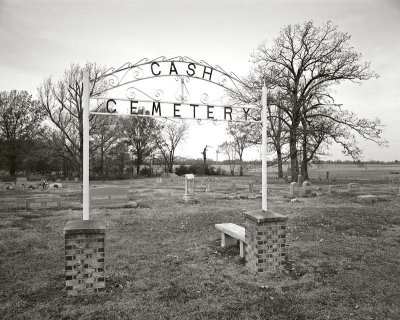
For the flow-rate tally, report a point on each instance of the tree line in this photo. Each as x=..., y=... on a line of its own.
x=301, y=69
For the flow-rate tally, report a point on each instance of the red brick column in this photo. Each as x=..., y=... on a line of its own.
x=265, y=241
x=84, y=257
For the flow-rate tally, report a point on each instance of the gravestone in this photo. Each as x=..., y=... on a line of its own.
x=369, y=198
x=306, y=188
x=394, y=177
x=332, y=189
x=46, y=202
x=109, y=196
x=55, y=185
x=21, y=182
x=190, y=187
x=353, y=187
x=294, y=189
x=251, y=187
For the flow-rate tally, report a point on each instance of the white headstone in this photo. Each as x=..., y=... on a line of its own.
x=306, y=188
x=294, y=189
x=332, y=189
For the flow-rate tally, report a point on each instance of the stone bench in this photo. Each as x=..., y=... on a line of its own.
x=230, y=234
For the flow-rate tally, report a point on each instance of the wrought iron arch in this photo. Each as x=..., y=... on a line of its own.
x=144, y=70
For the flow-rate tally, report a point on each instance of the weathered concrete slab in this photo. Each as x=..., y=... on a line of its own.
x=368, y=198
x=104, y=196
x=46, y=202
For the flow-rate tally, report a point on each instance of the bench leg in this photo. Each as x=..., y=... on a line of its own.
x=241, y=249
x=227, y=241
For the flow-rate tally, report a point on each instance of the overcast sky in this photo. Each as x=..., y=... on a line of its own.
x=41, y=38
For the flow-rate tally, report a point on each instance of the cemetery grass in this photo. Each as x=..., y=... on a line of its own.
x=164, y=260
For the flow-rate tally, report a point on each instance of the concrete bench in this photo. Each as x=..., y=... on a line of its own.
x=230, y=234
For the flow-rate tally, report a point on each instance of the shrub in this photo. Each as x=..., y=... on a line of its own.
x=146, y=172
x=198, y=170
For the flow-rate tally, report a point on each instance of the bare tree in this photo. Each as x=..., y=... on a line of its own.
x=141, y=133
x=20, y=121
x=62, y=102
x=172, y=134
x=228, y=149
x=104, y=136
x=304, y=61
x=241, y=134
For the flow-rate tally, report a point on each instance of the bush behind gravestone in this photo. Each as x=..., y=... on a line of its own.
x=146, y=172
x=199, y=169
x=7, y=178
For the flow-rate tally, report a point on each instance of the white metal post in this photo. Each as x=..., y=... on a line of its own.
x=86, y=105
x=264, y=148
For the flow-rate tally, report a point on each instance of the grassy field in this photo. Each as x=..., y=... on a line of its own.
x=164, y=260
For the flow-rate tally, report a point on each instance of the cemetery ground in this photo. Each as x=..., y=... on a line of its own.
x=164, y=260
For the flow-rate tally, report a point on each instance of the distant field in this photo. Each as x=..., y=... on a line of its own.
x=339, y=172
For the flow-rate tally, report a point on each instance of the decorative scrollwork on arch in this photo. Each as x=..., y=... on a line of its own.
x=130, y=93
x=112, y=80
x=137, y=73
x=204, y=98
x=158, y=94
x=143, y=69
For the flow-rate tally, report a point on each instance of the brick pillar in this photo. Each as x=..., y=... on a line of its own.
x=84, y=257
x=265, y=241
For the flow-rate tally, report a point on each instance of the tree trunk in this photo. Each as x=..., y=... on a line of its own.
x=12, y=162
x=278, y=144
x=294, y=164
x=304, y=170
x=279, y=161
x=102, y=161
x=304, y=162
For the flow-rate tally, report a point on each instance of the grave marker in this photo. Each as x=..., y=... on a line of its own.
x=109, y=196
x=369, y=198
x=251, y=187
x=55, y=185
x=45, y=202
x=21, y=182
x=353, y=187
x=306, y=188
x=190, y=187
x=294, y=189
x=332, y=189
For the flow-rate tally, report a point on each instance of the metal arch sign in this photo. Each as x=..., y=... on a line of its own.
x=169, y=67
x=178, y=67
x=183, y=69
x=177, y=110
